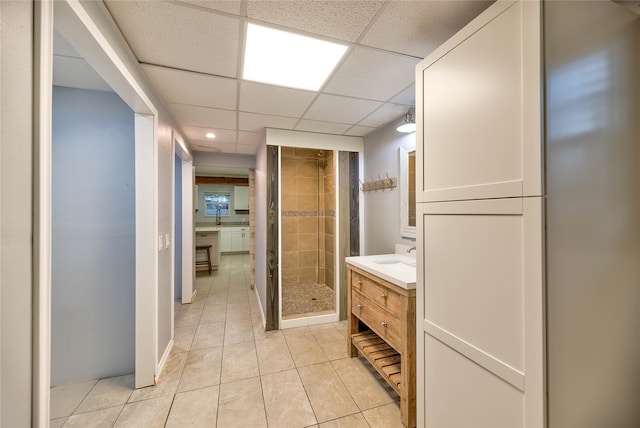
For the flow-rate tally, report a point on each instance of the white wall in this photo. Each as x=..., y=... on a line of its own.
x=177, y=233
x=93, y=236
x=166, y=155
x=224, y=160
x=16, y=74
x=382, y=207
x=261, y=227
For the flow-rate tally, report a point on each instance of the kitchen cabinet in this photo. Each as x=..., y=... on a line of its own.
x=234, y=239
x=382, y=327
x=241, y=198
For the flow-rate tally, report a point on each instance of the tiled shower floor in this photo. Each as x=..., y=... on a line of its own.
x=302, y=300
x=225, y=371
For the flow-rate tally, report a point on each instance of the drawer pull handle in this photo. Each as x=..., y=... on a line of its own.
x=383, y=295
x=359, y=283
x=383, y=324
x=359, y=306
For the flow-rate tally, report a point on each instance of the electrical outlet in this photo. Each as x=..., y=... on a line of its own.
x=167, y=241
x=160, y=243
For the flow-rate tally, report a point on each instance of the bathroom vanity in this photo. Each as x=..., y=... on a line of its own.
x=382, y=320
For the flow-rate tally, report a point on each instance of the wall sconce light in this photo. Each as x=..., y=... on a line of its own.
x=409, y=124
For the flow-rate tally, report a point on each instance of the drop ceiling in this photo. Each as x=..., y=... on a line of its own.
x=192, y=53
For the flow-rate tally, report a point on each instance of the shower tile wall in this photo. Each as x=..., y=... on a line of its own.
x=306, y=208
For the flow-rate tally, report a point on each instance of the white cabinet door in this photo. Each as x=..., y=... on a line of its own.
x=480, y=344
x=240, y=239
x=241, y=198
x=479, y=127
x=225, y=240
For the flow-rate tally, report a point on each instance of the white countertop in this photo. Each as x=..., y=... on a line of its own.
x=208, y=229
x=398, y=269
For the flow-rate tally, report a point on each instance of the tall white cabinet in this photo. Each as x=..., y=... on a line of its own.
x=480, y=207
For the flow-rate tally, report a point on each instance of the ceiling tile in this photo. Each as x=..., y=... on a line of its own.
x=257, y=122
x=333, y=108
x=195, y=133
x=77, y=73
x=228, y=6
x=185, y=87
x=323, y=127
x=359, y=131
x=418, y=27
x=179, y=36
x=384, y=114
x=246, y=149
x=204, y=147
x=225, y=147
x=406, y=97
x=344, y=20
x=250, y=138
x=203, y=116
x=274, y=100
x=386, y=74
x=62, y=47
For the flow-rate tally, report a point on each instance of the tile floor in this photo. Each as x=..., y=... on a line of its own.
x=226, y=371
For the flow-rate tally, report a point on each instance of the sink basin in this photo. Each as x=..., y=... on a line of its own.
x=395, y=268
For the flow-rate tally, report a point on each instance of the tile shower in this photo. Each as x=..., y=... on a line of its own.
x=308, y=232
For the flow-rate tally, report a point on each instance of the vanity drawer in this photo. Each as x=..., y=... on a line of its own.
x=382, y=296
x=385, y=324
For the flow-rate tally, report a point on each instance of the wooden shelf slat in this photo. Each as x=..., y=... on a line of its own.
x=380, y=355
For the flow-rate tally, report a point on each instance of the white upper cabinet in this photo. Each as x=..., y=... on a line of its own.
x=481, y=126
x=240, y=198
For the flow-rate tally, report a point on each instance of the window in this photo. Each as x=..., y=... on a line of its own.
x=216, y=204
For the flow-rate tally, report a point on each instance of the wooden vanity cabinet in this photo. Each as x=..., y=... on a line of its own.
x=382, y=327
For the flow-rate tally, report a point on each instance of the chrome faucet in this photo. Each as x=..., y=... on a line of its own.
x=410, y=249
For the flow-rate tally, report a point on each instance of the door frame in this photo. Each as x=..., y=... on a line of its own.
x=86, y=37
x=188, y=212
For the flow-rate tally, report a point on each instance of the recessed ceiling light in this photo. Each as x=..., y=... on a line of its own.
x=210, y=135
x=286, y=59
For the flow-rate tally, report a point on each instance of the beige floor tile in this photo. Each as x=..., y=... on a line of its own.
x=147, y=413
x=239, y=361
x=187, y=317
x=214, y=313
x=168, y=383
x=328, y=395
x=197, y=408
x=108, y=392
x=208, y=336
x=182, y=339
x=237, y=331
x=238, y=297
x=367, y=391
x=304, y=349
x=351, y=421
x=331, y=341
x=57, y=423
x=241, y=404
x=202, y=369
x=273, y=355
x=286, y=401
x=95, y=419
x=387, y=416
x=65, y=398
x=199, y=300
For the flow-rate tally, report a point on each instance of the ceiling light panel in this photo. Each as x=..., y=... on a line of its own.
x=286, y=59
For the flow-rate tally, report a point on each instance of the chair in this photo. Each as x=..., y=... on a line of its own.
x=204, y=263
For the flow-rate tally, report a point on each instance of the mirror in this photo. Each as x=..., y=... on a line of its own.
x=407, y=190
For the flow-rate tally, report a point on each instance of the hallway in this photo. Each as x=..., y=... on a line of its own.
x=225, y=371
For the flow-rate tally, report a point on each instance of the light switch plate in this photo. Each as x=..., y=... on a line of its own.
x=160, y=243
x=167, y=241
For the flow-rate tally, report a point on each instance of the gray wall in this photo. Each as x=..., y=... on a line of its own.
x=177, y=245
x=232, y=217
x=16, y=74
x=382, y=207
x=93, y=236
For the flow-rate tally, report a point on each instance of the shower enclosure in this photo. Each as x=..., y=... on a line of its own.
x=308, y=232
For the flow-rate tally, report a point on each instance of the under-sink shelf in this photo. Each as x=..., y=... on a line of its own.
x=384, y=358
